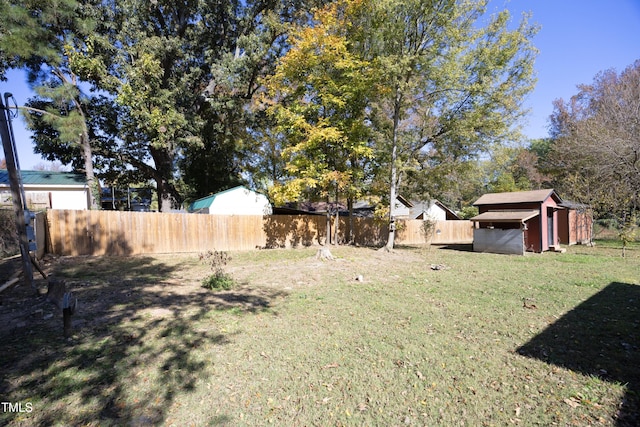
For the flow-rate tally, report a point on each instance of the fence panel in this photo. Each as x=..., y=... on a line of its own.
x=70, y=232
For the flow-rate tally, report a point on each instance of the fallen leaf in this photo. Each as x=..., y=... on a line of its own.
x=572, y=402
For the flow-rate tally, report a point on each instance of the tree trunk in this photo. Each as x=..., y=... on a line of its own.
x=394, y=172
x=167, y=194
x=328, y=233
x=92, y=183
x=337, y=226
x=350, y=238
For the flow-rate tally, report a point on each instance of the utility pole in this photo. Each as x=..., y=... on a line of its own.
x=21, y=213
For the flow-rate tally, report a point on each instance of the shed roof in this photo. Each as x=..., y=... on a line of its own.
x=506, y=216
x=207, y=201
x=66, y=179
x=534, y=196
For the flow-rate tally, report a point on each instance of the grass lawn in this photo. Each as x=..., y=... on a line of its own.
x=544, y=339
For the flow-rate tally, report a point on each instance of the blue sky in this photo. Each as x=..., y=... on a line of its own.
x=577, y=39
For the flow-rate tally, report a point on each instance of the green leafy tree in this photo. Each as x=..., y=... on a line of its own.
x=187, y=73
x=453, y=86
x=42, y=37
x=513, y=168
x=159, y=65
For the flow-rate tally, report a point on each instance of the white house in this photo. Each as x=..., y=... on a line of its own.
x=401, y=208
x=234, y=201
x=434, y=210
x=48, y=190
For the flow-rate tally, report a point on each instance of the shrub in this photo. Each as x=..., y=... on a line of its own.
x=220, y=281
x=217, y=260
x=9, y=244
x=428, y=228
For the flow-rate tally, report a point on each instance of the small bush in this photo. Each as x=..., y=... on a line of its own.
x=9, y=244
x=217, y=260
x=220, y=281
x=428, y=228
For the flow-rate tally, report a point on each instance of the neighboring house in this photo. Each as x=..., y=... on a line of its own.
x=48, y=190
x=415, y=209
x=575, y=223
x=516, y=222
x=406, y=209
x=401, y=208
x=433, y=210
x=234, y=201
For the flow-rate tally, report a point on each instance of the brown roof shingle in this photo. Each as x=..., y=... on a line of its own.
x=534, y=196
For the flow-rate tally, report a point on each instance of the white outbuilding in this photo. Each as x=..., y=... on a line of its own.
x=48, y=190
x=234, y=201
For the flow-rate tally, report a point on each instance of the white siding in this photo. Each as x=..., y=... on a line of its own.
x=240, y=201
x=73, y=200
x=400, y=210
x=435, y=212
x=40, y=199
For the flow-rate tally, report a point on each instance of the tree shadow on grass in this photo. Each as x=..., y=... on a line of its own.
x=600, y=337
x=141, y=340
x=283, y=231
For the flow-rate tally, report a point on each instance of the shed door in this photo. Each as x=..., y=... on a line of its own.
x=551, y=240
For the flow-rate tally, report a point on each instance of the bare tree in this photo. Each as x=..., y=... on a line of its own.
x=597, y=143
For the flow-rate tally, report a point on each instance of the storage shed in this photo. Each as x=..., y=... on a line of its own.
x=575, y=223
x=48, y=190
x=517, y=222
x=234, y=201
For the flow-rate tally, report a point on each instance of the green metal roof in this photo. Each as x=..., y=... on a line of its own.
x=206, y=202
x=45, y=178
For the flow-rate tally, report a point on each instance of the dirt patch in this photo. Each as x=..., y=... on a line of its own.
x=115, y=289
x=112, y=290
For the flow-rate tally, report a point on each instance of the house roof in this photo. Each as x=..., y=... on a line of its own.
x=205, y=202
x=534, y=196
x=404, y=201
x=46, y=178
x=506, y=216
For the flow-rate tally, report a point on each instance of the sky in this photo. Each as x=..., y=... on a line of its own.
x=577, y=39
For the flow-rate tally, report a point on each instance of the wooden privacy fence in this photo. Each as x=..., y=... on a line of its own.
x=70, y=232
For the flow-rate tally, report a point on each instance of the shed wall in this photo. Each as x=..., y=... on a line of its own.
x=69, y=199
x=240, y=202
x=498, y=241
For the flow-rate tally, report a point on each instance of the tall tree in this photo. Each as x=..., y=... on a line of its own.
x=596, y=143
x=513, y=168
x=160, y=71
x=318, y=98
x=187, y=72
x=42, y=36
x=453, y=85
